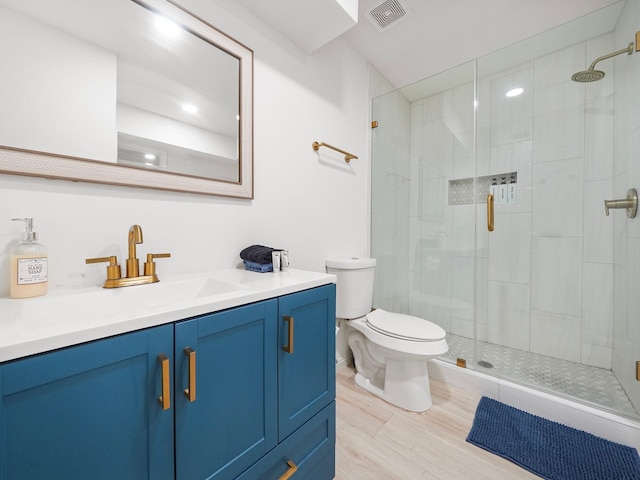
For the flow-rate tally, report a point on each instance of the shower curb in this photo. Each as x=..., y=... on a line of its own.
x=597, y=422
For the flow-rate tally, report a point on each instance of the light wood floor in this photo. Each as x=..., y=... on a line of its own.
x=377, y=441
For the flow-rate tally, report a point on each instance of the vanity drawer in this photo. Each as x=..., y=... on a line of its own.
x=311, y=448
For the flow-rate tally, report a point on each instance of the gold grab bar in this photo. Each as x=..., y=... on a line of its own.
x=289, y=346
x=347, y=156
x=165, y=398
x=490, y=225
x=190, y=392
x=293, y=468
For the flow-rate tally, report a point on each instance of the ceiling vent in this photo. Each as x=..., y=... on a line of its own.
x=388, y=14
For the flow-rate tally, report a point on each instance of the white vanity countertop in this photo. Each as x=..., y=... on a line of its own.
x=67, y=316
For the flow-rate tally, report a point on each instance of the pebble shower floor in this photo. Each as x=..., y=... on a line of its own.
x=593, y=385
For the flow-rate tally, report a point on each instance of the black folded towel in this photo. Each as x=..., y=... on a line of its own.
x=258, y=253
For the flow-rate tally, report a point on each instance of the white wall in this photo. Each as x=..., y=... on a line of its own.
x=313, y=204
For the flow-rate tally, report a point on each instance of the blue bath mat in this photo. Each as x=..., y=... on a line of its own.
x=549, y=449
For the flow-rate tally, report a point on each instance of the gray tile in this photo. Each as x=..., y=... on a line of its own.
x=594, y=386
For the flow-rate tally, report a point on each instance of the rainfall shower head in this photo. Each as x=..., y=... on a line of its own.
x=588, y=76
x=592, y=75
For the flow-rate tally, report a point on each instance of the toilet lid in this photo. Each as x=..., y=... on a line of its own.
x=405, y=327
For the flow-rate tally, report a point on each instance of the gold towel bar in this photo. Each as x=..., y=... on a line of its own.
x=347, y=156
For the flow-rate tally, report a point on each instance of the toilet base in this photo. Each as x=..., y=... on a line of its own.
x=406, y=385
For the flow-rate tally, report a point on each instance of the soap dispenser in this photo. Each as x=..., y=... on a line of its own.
x=513, y=190
x=29, y=272
x=493, y=189
x=503, y=191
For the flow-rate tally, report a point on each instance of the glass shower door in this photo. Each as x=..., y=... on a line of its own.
x=552, y=319
x=424, y=203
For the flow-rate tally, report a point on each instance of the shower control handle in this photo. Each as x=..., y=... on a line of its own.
x=630, y=203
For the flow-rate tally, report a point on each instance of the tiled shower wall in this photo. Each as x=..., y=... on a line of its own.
x=549, y=264
x=391, y=202
x=545, y=275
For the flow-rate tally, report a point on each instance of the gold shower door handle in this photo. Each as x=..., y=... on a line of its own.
x=190, y=392
x=289, y=346
x=490, y=215
x=293, y=468
x=165, y=398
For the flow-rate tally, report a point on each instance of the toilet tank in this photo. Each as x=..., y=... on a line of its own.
x=354, y=285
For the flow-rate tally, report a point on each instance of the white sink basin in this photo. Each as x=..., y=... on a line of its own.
x=87, y=305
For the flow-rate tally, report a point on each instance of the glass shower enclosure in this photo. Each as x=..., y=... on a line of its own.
x=535, y=284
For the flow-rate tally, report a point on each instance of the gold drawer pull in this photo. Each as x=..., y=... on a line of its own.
x=165, y=398
x=292, y=469
x=490, y=212
x=289, y=347
x=190, y=392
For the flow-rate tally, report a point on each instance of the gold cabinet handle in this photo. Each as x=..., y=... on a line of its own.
x=190, y=392
x=289, y=346
x=490, y=224
x=165, y=398
x=292, y=469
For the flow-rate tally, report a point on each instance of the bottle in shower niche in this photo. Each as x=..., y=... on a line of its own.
x=493, y=189
x=503, y=191
x=29, y=272
x=512, y=196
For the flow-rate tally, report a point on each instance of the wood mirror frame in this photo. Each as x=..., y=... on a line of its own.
x=20, y=161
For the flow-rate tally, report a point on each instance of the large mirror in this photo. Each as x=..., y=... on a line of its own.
x=127, y=92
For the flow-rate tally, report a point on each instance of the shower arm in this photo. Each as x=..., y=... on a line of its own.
x=628, y=50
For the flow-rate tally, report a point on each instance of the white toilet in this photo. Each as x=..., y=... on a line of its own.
x=390, y=350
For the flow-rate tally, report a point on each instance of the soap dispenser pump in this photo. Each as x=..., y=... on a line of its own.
x=29, y=272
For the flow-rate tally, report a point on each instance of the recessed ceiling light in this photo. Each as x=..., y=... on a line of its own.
x=149, y=156
x=166, y=27
x=189, y=108
x=514, y=92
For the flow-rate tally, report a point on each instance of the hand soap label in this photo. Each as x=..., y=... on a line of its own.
x=32, y=270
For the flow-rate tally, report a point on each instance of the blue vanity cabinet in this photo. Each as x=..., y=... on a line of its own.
x=306, y=374
x=239, y=393
x=259, y=403
x=89, y=411
x=231, y=421
x=310, y=451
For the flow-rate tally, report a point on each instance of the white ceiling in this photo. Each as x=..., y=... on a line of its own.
x=330, y=18
x=437, y=35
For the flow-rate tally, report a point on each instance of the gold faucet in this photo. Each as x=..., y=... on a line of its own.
x=133, y=277
x=135, y=237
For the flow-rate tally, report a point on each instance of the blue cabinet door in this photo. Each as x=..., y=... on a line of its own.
x=232, y=421
x=89, y=411
x=307, y=375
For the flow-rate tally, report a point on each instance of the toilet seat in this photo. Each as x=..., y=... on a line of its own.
x=404, y=327
x=402, y=346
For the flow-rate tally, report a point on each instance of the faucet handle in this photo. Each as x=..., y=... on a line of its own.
x=113, y=269
x=630, y=203
x=150, y=265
